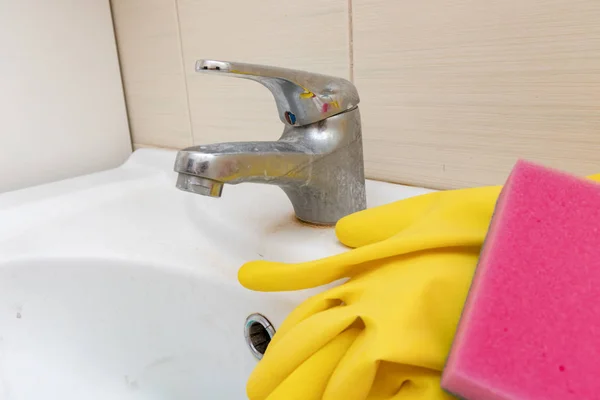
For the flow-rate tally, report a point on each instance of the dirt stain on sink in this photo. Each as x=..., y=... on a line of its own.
x=131, y=383
x=290, y=222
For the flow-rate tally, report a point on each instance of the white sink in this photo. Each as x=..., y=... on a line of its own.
x=117, y=285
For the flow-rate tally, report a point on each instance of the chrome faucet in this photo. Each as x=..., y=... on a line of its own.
x=318, y=161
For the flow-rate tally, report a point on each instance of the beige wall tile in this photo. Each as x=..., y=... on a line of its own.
x=454, y=91
x=151, y=64
x=310, y=35
x=62, y=112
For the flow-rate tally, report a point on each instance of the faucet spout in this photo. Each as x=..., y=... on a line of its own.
x=279, y=163
x=199, y=185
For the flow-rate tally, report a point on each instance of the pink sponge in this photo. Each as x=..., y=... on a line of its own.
x=531, y=326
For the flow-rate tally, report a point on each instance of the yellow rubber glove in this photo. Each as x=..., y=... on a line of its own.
x=433, y=220
x=430, y=221
x=384, y=334
x=438, y=220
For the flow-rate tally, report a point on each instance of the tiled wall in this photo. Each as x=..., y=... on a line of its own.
x=452, y=91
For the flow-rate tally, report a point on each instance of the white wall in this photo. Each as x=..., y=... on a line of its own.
x=62, y=110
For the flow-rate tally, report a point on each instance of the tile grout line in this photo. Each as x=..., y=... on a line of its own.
x=153, y=146
x=185, y=79
x=350, y=42
x=121, y=72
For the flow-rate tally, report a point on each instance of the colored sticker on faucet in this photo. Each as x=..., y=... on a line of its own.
x=325, y=107
x=307, y=95
x=290, y=118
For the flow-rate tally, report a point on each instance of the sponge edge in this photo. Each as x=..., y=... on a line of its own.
x=530, y=328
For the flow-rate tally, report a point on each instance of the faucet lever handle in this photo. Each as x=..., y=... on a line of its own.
x=302, y=97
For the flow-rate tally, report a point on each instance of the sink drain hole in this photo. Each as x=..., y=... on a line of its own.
x=258, y=332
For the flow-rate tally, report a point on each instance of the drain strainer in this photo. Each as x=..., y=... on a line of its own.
x=258, y=332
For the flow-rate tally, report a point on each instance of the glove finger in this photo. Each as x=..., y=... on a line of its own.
x=382, y=222
x=309, y=380
x=595, y=177
x=433, y=289
x=354, y=375
x=316, y=304
x=295, y=347
x=442, y=302
x=270, y=276
x=403, y=382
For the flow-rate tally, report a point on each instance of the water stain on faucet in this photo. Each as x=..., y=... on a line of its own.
x=317, y=161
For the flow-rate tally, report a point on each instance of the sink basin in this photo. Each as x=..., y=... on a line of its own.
x=116, y=285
